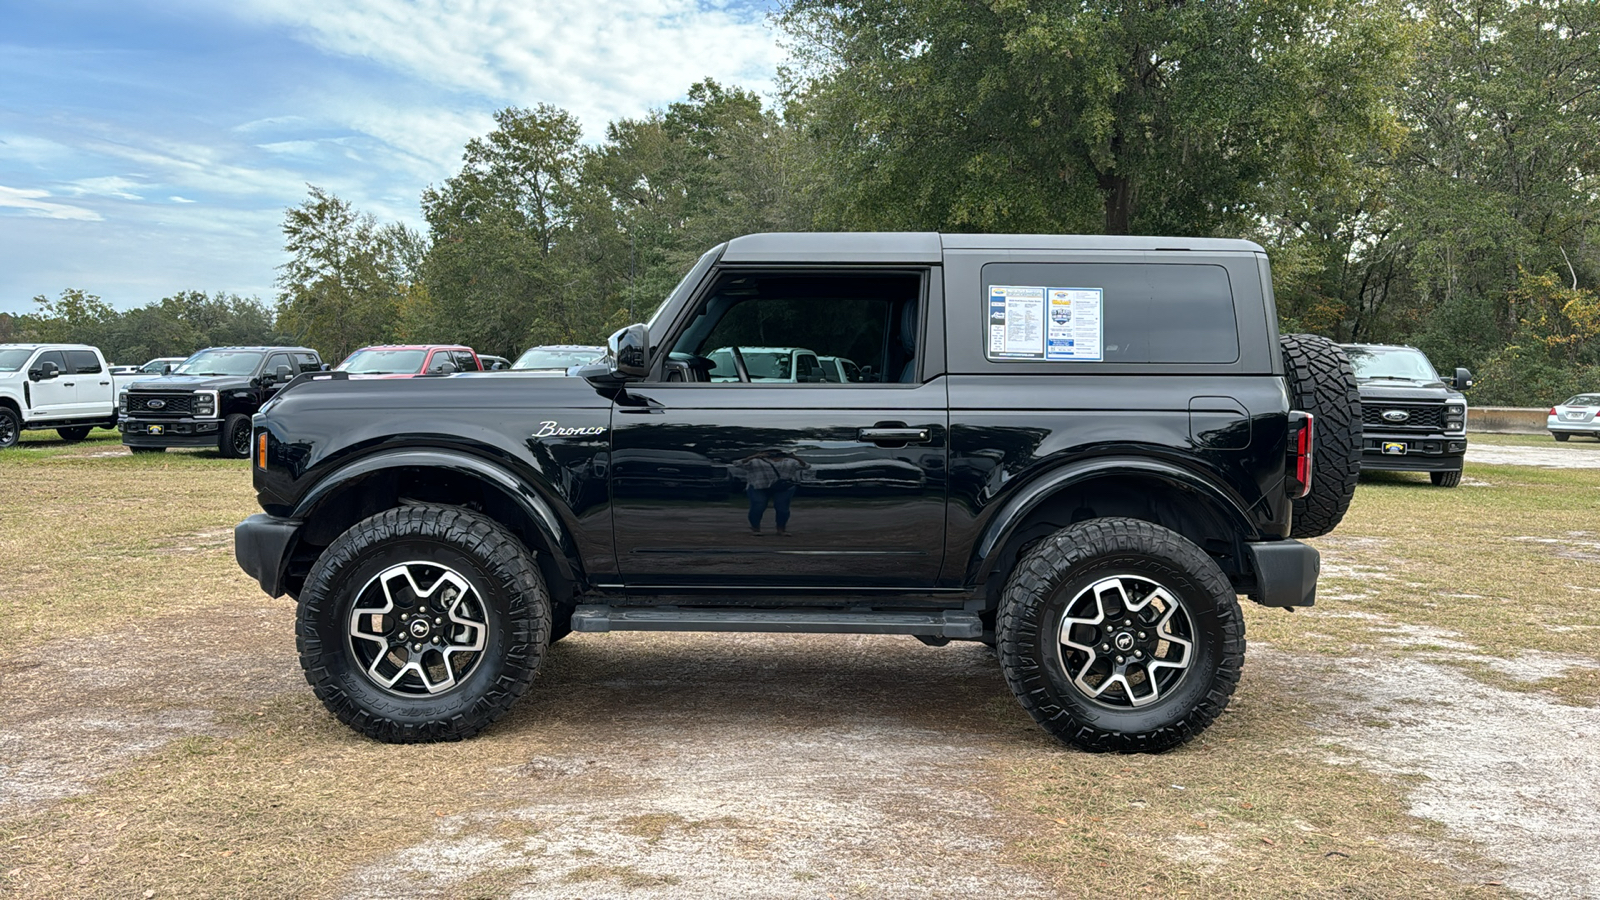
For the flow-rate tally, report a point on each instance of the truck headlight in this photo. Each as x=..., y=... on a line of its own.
x=1455, y=417
x=205, y=404
x=122, y=403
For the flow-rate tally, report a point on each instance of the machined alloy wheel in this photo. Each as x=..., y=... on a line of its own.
x=422, y=623
x=1120, y=635
x=1126, y=641
x=418, y=628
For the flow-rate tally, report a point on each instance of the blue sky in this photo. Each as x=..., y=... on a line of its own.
x=148, y=148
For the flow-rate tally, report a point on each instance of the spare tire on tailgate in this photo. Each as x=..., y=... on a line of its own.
x=1322, y=383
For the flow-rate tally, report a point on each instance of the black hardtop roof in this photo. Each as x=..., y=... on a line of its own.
x=929, y=246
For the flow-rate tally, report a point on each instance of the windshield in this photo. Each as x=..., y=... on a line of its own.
x=1391, y=362
x=565, y=357
x=220, y=362
x=1584, y=400
x=12, y=360
x=382, y=362
x=157, y=366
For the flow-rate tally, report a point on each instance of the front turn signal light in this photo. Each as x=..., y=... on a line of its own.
x=261, y=451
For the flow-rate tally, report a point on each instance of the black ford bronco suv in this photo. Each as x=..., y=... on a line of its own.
x=1079, y=450
x=207, y=401
x=1412, y=419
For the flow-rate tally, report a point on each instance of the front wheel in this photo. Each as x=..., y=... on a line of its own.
x=1445, y=479
x=233, y=439
x=1119, y=635
x=422, y=623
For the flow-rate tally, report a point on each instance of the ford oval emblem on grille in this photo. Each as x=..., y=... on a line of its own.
x=162, y=404
x=1395, y=415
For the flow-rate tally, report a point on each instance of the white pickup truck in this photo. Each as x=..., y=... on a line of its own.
x=67, y=387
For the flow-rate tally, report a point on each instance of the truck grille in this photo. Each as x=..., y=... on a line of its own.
x=169, y=404
x=1421, y=416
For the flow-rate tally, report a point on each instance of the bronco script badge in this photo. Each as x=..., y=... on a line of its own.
x=554, y=429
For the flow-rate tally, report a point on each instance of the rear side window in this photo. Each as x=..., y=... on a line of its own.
x=307, y=362
x=82, y=362
x=1109, y=312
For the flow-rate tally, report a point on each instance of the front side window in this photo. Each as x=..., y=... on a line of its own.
x=781, y=325
x=220, y=362
x=52, y=356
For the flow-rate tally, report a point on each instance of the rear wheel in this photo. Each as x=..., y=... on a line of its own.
x=233, y=439
x=1559, y=436
x=1120, y=635
x=422, y=623
x=1321, y=382
x=1445, y=479
x=74, y=434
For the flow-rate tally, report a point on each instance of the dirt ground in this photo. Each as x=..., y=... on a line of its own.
x=1377, y=747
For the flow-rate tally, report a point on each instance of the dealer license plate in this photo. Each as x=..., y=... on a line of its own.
x=1394, y=448
x=161, y=429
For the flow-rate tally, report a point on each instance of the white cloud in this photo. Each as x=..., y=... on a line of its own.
x=600, y=59
x=32, y=203
x=107, y=186
x=176, y=199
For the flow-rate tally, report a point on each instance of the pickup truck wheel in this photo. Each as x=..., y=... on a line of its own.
x=422, y=623
x=1321, y=382
x=74, y=434
x=1118, y=635
x=1445, y=479
x=10, y=427
x=233, y=438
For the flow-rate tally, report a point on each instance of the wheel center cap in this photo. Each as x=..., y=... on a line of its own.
x=419, y=628
x=1124, y=641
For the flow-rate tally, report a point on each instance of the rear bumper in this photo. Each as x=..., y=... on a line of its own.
x=1286, y=573
x=261, y=544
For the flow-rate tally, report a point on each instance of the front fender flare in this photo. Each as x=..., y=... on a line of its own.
x=1024, y=500
x=528, y=500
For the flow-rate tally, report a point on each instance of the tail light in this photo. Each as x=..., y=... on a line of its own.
x=1300, y=444
x=1551, y=412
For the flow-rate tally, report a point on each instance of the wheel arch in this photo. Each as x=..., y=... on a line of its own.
x=373, y=484
x=1136, y=488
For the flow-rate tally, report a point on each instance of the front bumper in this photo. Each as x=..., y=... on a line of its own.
x=1423, y=452
x=177, y=432
x=262, y=544
x=1286, y=573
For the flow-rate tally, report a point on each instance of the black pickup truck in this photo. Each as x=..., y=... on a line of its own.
x=207, y=401
x=1079, y=450
x=1413, y=420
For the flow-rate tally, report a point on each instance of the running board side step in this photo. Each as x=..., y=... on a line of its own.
x=950, y=624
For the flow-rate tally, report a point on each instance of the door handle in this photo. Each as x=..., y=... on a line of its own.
x=894, y=435
x=69, y=384
x=103, y=383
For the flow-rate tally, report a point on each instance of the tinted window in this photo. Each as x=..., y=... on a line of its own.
x=1148, y=313
x=276, y=360
x=53, y=356
x=464, y=361
x=307, y=362
x=83, y=362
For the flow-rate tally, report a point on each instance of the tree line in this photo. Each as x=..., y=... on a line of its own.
x=1421, y=171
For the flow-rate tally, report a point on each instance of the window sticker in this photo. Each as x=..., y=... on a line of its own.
x=1045, y=323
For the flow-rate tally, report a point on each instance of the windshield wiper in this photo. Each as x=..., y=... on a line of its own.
x=1388, y=378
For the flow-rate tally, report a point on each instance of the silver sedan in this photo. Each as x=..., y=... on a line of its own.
x=1576, y=416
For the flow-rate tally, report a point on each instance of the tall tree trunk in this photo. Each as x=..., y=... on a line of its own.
x=1117, y=191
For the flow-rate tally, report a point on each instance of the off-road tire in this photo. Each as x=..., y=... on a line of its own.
x=1061, y=568
x=148, y=449
x=10, y=427
x=498, y=567
x=229, y=441
x=1445, y=479
x=1322, y=383
x=1559, y=436
x=75, y=433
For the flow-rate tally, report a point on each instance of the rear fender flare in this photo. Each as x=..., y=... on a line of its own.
x=986, y=553
x=532, y=504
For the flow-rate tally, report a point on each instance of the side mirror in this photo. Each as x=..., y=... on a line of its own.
x=45, y=372
x=326, y=368
x=630, y=351
x=497, y=367
x=282, y=374
x=1463, y=379
x=166, y=369
x=444, y=368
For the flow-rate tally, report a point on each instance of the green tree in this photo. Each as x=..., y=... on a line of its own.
x=1143, y=116
x=347, y=277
